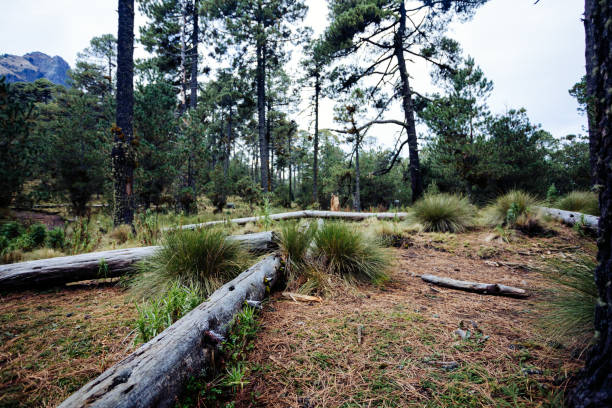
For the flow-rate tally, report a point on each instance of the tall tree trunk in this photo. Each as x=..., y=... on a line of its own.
x=270, y=153
x=594, y=389
x=123, y=153
x=261, y=102
x=315, y=164
x=228, y=145
x=289, y=158
x=195, y=38
x=357, y=195
x=183, y=68
x=416, y=178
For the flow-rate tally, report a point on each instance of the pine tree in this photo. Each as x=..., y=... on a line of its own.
x=123, y=153
x=380, y=26
x=595, y=387
x=264, y=26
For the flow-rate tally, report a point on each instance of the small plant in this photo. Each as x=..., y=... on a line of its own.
x=444, y=213
x=121, y=233
x=147, y=227
x=552, y=194
x=572, y=309
x=158, y=314
x=266, y=211
x=38, y=234
x=350, y=254
x=580, y=201
x=56, y=238
x=509, y=207
x=103, y=268
x=81, y=239
x=203, y=258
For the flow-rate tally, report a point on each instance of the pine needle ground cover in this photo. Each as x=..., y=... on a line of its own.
x=54, y=342
x=396, y=346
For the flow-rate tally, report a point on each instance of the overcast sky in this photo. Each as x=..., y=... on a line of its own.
x=532, y=53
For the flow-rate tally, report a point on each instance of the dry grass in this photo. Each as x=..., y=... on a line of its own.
x=309, y=355
x=53, y=342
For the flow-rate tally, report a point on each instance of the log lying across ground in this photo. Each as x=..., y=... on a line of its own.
x=483, y=288
x=105, y=264
x=571, y=217
x=154, y=374
x=354, y=216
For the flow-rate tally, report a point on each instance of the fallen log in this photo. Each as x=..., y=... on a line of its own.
x=154, y=374
x=477, y=287
x=354, y=216
x=571, y=217
x=104, y=264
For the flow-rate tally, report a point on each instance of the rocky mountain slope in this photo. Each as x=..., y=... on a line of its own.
x=32, y=66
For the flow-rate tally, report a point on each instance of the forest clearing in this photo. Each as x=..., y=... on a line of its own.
x=290, y=203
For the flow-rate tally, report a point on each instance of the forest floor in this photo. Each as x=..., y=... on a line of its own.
x=53, y=342
x=308, y=355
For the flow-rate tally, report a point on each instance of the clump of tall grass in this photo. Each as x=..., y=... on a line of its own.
x=202, y=258
x=580, y=201
x=392, y=234
x=294, y=244
x=121, y=233
x=444, y=213
x=156, y=315
x=508, y=208
x=350, y=254
x=571, y=311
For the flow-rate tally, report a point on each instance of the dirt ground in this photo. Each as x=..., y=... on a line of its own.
x=311, y=355
x=53, y=342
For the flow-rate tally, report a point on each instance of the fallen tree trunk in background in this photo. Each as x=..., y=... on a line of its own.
x=477, y=287
x=154, y=374
x=571, y=217
x=354, y=216
x=105, y=264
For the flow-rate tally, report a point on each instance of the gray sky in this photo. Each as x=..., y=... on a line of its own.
x=533, y=53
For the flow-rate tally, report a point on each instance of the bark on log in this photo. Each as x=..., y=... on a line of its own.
x=571, y=217
x=355, y=216
x=484, y=288
x=154, y=375
x=54, y=271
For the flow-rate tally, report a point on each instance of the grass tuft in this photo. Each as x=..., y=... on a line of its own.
x=580, y=201
x=507, y=209
x=351, y=254
x=571, y=311
x=444, y=213
x=294, y=244
x=202, y=258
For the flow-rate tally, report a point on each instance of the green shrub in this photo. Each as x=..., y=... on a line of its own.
x=580, y=201
x=157, y=315
x=509, y=207
x=294, y=244
x=56, y=238
x=571, y=311
x=203, y=258
x=38, y=234
x=444, y=213
x=11, y=230
x=349, y=253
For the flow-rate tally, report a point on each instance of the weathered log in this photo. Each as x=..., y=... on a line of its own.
x=104, y=264
x=355, y=216
x=154, y=374
x=483, y=288
x=571, y=217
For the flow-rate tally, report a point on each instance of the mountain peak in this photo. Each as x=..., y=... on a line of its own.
x=32, y=66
